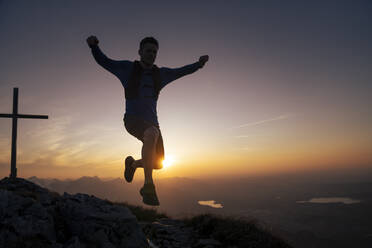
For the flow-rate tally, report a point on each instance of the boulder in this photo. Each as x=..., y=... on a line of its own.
x=31, y=216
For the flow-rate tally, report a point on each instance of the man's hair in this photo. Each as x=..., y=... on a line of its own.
x=149, y=40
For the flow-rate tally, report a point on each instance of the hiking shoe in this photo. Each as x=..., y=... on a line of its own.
x=129, y=169
x=148, y=194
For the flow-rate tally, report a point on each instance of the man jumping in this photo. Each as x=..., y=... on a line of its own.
x=142, y=81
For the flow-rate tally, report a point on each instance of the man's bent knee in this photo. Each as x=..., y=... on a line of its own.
x=151, y=134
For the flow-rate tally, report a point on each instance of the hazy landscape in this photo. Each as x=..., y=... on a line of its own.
x=317, y=210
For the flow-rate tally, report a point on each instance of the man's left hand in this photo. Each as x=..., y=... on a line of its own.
x=203, y=60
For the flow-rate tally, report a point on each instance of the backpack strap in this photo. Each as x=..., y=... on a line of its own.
x=133, y=87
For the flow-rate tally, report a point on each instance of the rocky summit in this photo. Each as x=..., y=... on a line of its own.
x=31, y=216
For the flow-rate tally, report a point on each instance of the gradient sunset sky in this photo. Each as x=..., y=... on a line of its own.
x=287, y=88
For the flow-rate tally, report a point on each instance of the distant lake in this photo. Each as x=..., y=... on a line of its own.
x=211, y=203
x=344, y=200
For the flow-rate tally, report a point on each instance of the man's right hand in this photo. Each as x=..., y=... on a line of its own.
x=92, y=41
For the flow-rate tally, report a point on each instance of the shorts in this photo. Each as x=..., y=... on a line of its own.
x=137, y=126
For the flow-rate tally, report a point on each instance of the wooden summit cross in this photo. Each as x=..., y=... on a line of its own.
x=15, y=116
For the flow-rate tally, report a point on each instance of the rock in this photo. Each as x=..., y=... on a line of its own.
x=73, y=242
x=25, y=218
x=169, y=233
x=208, y=243
x=31, y=216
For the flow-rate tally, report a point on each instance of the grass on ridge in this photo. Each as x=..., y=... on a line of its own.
x=143, y=214
x=234, y=231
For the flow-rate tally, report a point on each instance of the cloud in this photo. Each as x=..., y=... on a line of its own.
x=250, y=124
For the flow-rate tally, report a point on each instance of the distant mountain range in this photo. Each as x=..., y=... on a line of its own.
x=178, y=196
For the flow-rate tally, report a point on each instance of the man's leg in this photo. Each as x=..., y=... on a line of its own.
x=137, y=163
x=158, y=159
x=151, y=136
x=148, y=192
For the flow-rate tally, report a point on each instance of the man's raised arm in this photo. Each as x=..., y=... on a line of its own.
x=112, y=66
x=169, y=75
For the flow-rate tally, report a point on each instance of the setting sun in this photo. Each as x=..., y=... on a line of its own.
x=168, y=161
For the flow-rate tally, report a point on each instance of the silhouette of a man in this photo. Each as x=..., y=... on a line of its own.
x=142, y=81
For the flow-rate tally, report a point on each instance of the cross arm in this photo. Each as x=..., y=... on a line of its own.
x=33, y=116
x=24, y=116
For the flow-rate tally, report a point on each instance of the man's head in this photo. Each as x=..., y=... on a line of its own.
x=148, y=49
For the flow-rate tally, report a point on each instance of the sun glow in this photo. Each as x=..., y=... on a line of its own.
x=168, y=161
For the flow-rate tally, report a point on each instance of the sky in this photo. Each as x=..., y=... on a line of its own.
x=287, y=87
